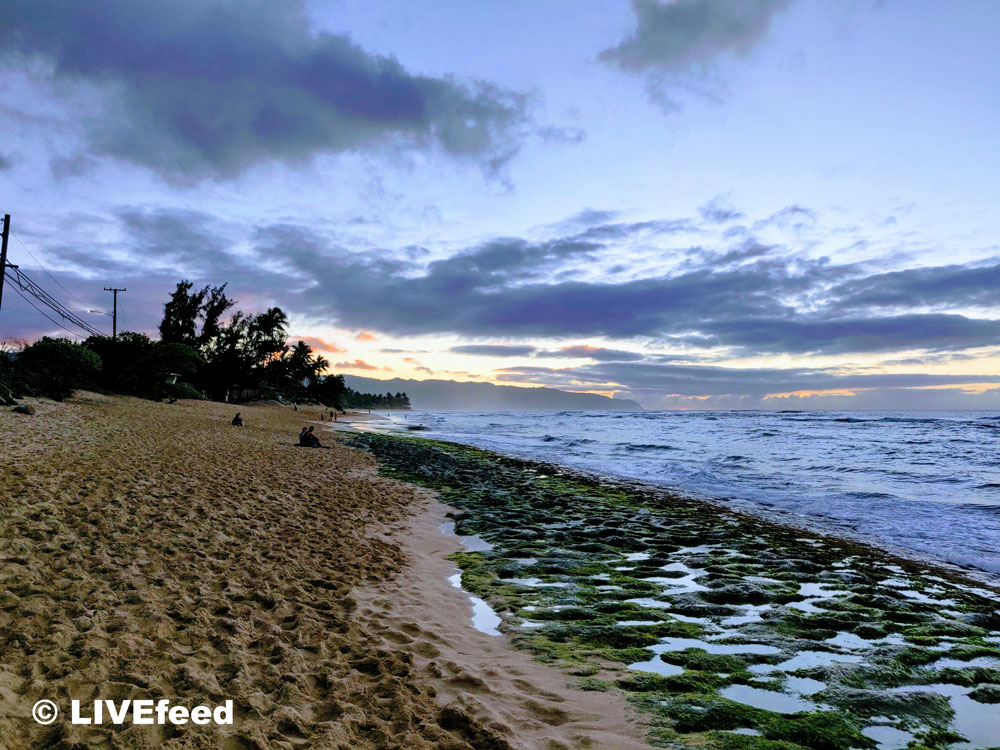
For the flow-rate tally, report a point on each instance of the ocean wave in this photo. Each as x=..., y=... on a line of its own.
x=641, y=447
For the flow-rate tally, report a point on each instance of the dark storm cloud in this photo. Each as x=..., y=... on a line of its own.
x=453, y=297
x=493, y=350
x=821, y=335
x=744, y=299
x=949, y=286
x=200, y=88
x=749, y=308
x=427, y=293
x=678, y=35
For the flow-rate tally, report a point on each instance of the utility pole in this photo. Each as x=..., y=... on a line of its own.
x=3, y=254
x=114, y=315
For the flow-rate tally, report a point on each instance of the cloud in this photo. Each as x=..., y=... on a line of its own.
x=319, y=344
x=974, y=285
x=620, y=231
x=365, y=336
x=589, y=217
x=822, y=335
x=739, y=297
x=650, y=381
x=790, y=217
x=679, y=46
x=5, y=162
x=194, y=89
x=194, y=240
x=679, y=34
x=584, y=351
x=418, y=365
x=493, y=350
x=719, y=210
x=355, y=365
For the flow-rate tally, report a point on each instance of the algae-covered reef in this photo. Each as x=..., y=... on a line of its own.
x=725, y=630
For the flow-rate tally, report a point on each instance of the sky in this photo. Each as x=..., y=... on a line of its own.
x=696, y=204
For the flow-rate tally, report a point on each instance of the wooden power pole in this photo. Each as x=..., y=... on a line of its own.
x=114, y=314
x=3, y=254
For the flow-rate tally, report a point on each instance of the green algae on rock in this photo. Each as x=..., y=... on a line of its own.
x=819, y=643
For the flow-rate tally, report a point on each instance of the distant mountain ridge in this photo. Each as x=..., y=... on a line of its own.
x=450, y=394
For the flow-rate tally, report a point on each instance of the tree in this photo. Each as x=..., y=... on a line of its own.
x=180, y=315
x=185, y=308
x=119, y=358
x=266, y=335
x=212, y=310
x=330, y=389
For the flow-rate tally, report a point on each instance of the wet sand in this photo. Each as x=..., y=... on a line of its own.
x=153, y=550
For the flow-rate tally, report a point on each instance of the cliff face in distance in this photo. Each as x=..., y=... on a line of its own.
x=449, y=394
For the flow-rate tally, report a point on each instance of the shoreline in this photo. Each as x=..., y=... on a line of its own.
x=743, y=509
x=522, y=701
x=151, y=549
x=596, y=579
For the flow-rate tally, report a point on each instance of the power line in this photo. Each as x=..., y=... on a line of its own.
x=43, y=313
x=25, y=287
x=40, y=265
x=20, y=280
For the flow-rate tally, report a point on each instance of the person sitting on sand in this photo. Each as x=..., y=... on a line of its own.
x=307, y=439
x=237, y=420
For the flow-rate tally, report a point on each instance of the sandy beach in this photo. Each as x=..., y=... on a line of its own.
x=153, y=550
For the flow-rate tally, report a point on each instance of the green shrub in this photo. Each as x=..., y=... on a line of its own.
x=56, y=367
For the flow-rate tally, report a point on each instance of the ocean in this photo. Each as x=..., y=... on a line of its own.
x=918, y=482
